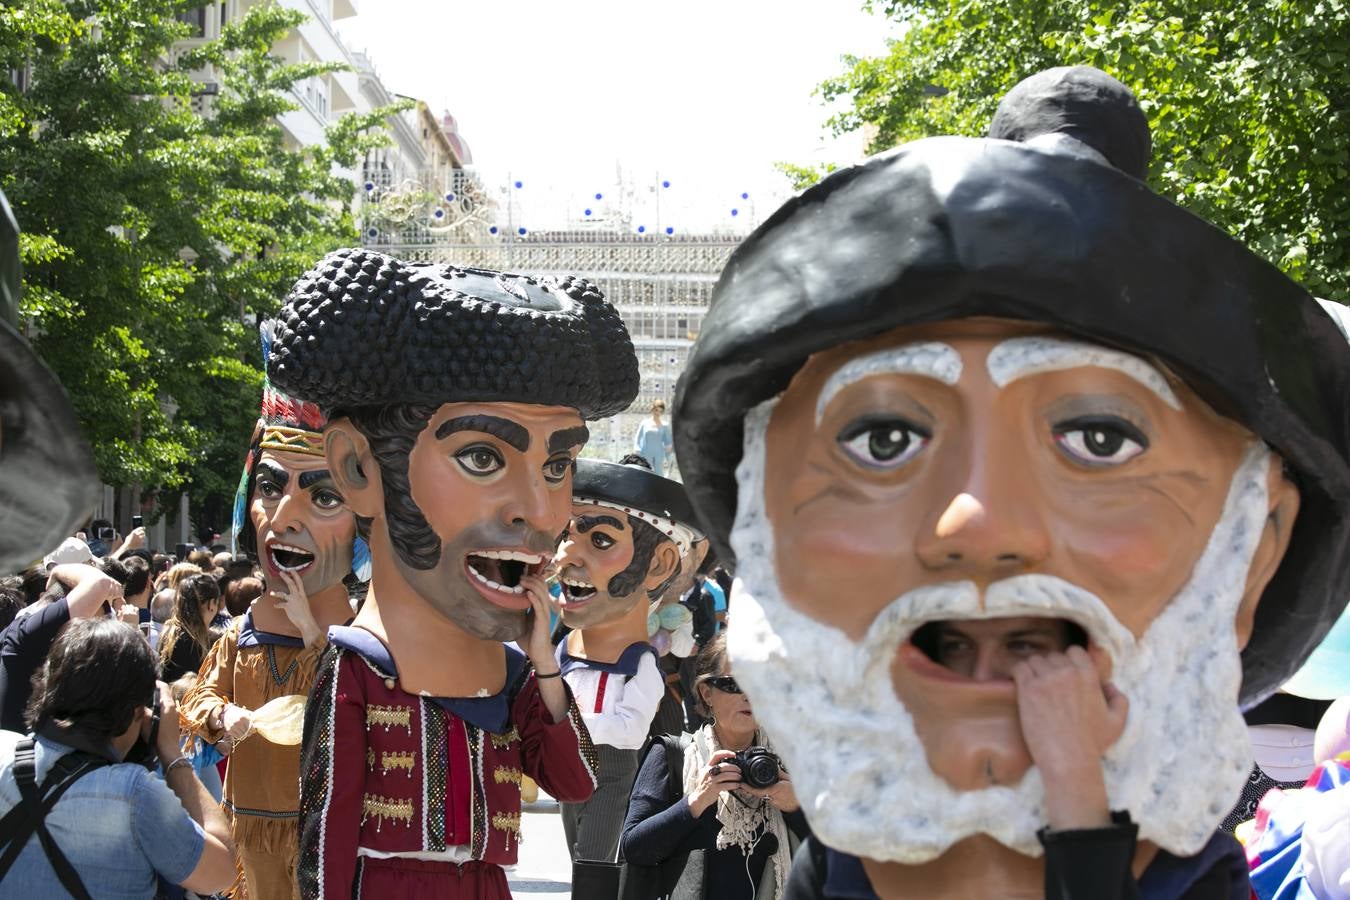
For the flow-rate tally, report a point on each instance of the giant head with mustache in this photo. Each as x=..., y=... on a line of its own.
x=979, y=416
x=457, y=401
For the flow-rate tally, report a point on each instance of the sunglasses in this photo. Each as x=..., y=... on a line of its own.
x=726, y=684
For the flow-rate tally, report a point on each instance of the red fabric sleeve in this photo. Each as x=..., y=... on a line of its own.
x=557, y=755
x=332, y=778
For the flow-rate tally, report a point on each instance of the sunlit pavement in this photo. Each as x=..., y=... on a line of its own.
x=544, y=870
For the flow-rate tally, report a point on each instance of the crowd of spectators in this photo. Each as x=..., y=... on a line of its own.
x=97, y=640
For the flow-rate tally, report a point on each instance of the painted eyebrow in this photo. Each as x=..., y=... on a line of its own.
x=586, y=523
x=274, y=472
x=930, y=359
x=511, y=432
x=1019, y=357
x=313, y=477
x=575, y=436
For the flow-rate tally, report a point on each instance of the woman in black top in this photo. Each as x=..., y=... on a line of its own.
x=747, y=834
x=187, y=635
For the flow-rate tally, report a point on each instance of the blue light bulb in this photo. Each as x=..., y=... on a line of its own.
x=450, y=197
x=520, y=184
x=587, y=210
x=492, y=230
x=669, y=230
x=599, y=196
x=520, y=230
x=745, y=195
x=665, y=184
x=642, y=229
x=735, y=212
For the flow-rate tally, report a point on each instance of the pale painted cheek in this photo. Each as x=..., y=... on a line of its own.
x=260, y=517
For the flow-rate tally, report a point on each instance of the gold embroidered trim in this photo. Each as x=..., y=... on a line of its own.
x=380, y=808
x=502, y=741
x=506, y=822
x=502, y=775
x=390, y=761
x=389, y=717
x=292, y=440
x=370, y=758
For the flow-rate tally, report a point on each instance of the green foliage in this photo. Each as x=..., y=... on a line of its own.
x=1249, y=101
x=802, y=177
x=151, y=231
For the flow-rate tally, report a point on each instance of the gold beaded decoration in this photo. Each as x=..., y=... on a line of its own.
x=390, y=761
x=502, y=775
x=503, y=741
x=380, y=808
x=389, y=717
x=292, y=440
x=508, y=822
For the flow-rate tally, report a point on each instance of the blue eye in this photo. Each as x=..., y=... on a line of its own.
x=883, y=443
x=1100, y=440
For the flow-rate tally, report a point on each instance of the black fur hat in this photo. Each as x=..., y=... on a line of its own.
x=1044, y=228
x=363, y=329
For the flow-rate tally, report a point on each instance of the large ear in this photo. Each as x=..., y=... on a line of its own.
x=665, y=564
x=689, y=570
x=1284, y=504
x=353, y=468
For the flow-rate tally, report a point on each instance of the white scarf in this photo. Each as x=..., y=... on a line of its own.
x=741, y=818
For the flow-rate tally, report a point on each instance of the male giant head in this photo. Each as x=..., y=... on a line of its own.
x=47, y=480
x=631, y=536
x=288, y=514
x=456, y=401
x=977, y=400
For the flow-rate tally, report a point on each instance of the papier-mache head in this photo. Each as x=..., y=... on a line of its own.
x=457, y=399
x=979, y=383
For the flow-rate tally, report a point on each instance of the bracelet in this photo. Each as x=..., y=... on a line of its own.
x=180, y=761
x=540, y=675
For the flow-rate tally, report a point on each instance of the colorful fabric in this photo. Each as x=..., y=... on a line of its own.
x=386, y=773
x=1276, y=851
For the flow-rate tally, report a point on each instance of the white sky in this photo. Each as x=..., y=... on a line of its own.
x=559, y=95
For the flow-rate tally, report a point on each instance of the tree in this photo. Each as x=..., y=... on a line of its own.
x=1249, y=102
x=153, y=233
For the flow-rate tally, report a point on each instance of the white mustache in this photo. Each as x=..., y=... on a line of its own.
x=1042, y=596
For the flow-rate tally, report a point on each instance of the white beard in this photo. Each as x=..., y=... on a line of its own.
x=858, y=765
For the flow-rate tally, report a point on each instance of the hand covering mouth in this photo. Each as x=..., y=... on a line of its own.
x=289, y=558
x=502, y=570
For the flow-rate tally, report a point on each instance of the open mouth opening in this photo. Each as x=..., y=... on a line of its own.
x=986, y=649
x=502, y=570
x=288, y=558
x=576, y=589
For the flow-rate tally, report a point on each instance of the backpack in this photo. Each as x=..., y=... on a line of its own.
x=35, y=802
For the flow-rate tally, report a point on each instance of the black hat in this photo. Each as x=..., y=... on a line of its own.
x=365, y=329
x=48, y=485
x=1046, y=231
x=659, y=501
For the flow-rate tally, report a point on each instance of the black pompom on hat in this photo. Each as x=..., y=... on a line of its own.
x=365, y=329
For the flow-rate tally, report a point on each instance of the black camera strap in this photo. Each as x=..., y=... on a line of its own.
x=30, y=814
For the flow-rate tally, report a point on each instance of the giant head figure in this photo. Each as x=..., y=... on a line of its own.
x=288, y=513
x=47, y=480
x=456, y=400
x=632, y=535
x=998, y=389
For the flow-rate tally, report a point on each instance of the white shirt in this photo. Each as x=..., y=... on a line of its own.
x=617, y=700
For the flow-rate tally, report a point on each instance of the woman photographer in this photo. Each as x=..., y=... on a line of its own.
x=747, y=834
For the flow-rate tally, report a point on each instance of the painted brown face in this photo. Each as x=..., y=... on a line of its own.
x=300, y=522
x=494, y=482
x=596, y=548
x=964, y=451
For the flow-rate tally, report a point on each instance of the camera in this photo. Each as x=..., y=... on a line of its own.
x=759, y=767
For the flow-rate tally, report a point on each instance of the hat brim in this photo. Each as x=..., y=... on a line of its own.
x=48, y=484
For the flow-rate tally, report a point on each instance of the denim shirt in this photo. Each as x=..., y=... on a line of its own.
x=118, y=825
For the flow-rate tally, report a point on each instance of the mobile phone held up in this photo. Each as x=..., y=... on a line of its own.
x=138, y=521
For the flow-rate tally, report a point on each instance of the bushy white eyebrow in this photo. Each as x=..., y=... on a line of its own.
x=929, y=359
x=1019, y=357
